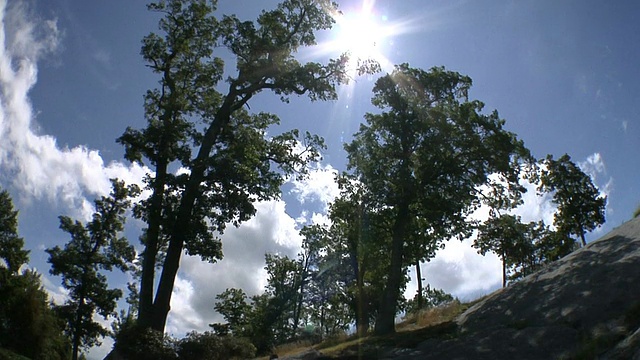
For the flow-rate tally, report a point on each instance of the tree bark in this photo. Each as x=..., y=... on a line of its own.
x=146, y=309
x=504, y=273
x=419, y=278
x=385, y=321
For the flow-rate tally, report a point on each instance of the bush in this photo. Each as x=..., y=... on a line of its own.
x=135, y=343
x=209, y=346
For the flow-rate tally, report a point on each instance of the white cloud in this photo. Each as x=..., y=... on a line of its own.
x=272, y=230
x=38, y=167
x=595, y=167
x=459, y=270
x=319, y=186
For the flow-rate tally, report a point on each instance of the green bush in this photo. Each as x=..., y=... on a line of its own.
x=208, y=346
x=147, y=344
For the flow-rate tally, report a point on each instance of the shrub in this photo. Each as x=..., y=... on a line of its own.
x=147, y=344
x=209, y=346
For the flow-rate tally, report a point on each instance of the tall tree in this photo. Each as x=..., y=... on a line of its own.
x=11, y=245
x=93, y=247
x=357, y=243
x=581, y=207
x=229, y=160
x=28, y=326
x=424, y=158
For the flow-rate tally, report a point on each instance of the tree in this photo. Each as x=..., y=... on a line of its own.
x=581, y=207
x=232, y=305
x=513, y=241
x=28, y=326
x=11, y=245
x=430, y=298
x=424, y=158
x=355, y=249
x=93, y=247
x=229, y=160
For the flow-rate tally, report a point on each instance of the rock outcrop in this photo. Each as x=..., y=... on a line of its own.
x=584, y=306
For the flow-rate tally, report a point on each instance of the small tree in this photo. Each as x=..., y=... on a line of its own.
x=508, y=238
x=93, y=247
x=233, y=306
x=581, y=207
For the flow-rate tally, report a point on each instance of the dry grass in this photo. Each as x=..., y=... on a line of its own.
x=436, y=322
x=433, y=316
x=293, y=347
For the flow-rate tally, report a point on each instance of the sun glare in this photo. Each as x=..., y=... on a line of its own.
x=362, y=34
x=359, y=35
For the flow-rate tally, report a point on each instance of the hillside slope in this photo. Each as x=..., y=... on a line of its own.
x=586, y=305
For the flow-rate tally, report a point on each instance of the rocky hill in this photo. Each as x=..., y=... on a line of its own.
x=584, y=306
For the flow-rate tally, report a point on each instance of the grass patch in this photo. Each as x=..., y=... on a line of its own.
x=293, y=347
x=432, y=316
x=434, y=323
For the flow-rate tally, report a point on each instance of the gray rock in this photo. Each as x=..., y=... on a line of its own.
x=577, y=306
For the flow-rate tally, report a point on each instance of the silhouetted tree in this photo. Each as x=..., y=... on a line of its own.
x=581, y=207
x=229, y=160
x=93, y=247
x=28, y=326
x=11, y=245
x=233, y=305
x=424, y=158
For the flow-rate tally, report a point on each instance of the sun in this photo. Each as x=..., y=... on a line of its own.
x=362, y=34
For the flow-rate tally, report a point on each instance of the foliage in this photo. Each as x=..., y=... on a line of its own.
x=355, y=249
x=144, y=344
x=93, y=247
x=232, y=305
x=431, y=298
x=11, y=245
x=581, y=207
x=508, y=238
x=424, y=158
x=28, y=326
x=229, y=160
x=208, y=346
x=326, y=307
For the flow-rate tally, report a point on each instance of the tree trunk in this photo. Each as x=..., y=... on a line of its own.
x=178, y=235
x=145, y=310
x=362, y=306
x=504, y=273
x=584, y=241
x=385, y=321
x=419, y=278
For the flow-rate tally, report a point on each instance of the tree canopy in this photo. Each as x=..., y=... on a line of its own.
x=424, y=158
x=581, y=207
x=94, y=247
x=229, y=160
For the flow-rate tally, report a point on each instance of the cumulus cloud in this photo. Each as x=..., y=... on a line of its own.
x=272, y=230
x=320, y=186
x=33, y=162
x=595, y=167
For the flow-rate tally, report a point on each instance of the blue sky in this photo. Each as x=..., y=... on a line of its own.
x=563, y=75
